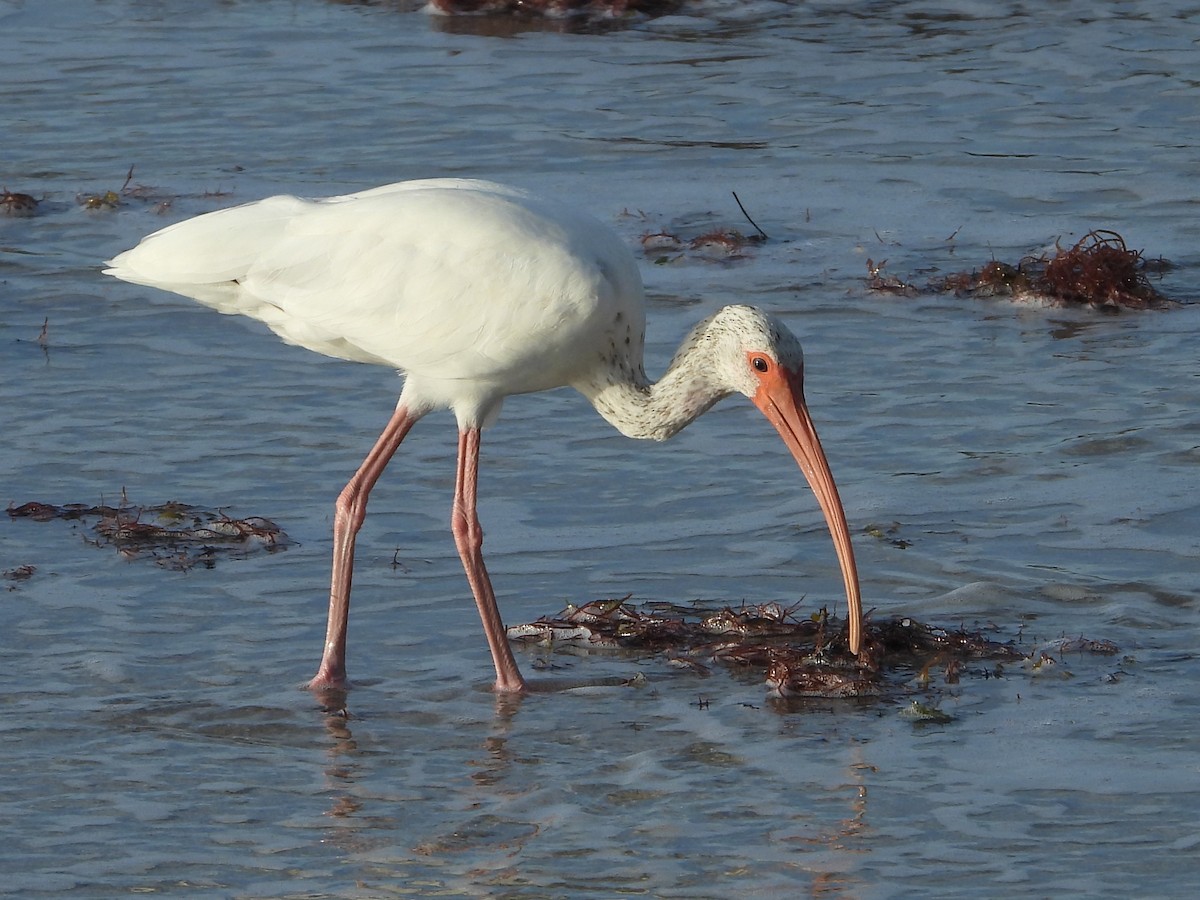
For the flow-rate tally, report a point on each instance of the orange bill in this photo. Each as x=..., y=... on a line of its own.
x=780, y=397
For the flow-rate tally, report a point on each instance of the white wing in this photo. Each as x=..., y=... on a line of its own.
x=444, y=279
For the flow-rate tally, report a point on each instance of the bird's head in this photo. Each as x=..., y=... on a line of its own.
x=755, y=354
x=746, y=349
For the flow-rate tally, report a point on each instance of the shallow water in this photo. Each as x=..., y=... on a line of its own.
x=1040, y=464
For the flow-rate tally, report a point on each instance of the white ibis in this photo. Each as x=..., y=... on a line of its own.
x=475, y=291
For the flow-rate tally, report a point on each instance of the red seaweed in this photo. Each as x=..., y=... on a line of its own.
x=797, y=656
x=175, y=535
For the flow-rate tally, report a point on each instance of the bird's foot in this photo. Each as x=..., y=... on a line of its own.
x=509, y=679
x=510, y=687
x=329, y=692
x=322, y=683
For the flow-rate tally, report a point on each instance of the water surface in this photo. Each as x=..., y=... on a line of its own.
x=1039, y=464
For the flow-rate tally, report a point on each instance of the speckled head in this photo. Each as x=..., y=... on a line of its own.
x=738, y=341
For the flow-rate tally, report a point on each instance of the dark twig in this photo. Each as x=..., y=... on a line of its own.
x=737, y=200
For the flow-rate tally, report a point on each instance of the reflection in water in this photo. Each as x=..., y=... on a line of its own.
x=342, y=768
x=527, y=784
x=332, y=701
x=494, y=765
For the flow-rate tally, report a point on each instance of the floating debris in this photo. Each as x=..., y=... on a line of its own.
x=1100, y=270
x=903, y=637
x=788, y=678
x=174, y=535
x=19, y=573
x=887, y=533
x=15, y=204
x=111, y=200
x=1097, y=271
x=43, y=338
x=721, y=243
x=107, y=200
x=883, y=283
x=699, y=240
x=1088, y=645
x=557, y=9
x=922, y=714
x=661, y=242
x=798, y=656
x=716, y=244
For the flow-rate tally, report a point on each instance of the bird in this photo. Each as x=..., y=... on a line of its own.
x=475, y=291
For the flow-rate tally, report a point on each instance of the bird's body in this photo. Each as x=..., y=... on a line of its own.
x=475, y=291
x=285, y=261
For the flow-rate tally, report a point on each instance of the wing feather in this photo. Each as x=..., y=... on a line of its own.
x=442, y=278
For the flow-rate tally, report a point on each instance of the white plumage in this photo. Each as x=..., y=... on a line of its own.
x=350, y=277
x=475, y=291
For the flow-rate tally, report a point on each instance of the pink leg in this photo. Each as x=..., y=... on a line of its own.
x=468, y=536
x=349, y=513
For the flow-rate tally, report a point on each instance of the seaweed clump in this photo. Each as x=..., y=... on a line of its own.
x=582, y=15
x=796, y=656
x=1099, y=270
x=717, y=244
x=174, y=535
x=17, y=204
x=558, y=7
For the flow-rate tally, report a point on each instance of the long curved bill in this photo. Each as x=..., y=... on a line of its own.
x=780, y=397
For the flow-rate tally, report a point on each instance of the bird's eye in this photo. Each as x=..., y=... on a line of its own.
x=761, y=363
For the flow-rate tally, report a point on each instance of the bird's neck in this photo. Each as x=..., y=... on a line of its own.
x=639, y=408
